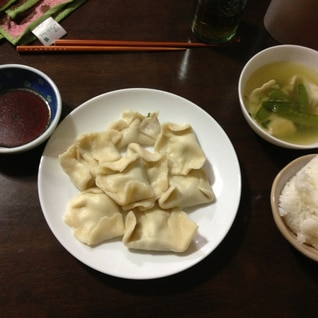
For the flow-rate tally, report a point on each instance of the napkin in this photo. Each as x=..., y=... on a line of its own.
x=19, y=17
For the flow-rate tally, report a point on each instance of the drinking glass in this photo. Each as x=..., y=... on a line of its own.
x=216, y=21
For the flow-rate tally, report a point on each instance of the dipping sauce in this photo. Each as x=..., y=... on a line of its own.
x=24, y=115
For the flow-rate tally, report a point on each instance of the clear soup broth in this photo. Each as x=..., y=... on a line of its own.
x=285, y=117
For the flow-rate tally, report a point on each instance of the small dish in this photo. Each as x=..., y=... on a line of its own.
x=279, y=182
x=38, y=112
x=280, y=53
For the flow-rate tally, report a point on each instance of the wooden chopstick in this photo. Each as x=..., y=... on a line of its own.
x=74, y=45
x=90, y=48
x=74, y=42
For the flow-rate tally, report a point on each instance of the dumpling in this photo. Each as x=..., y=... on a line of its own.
x=96, y=148
x=126, y=182
x=159, y=230
x=94, y=217
x=311, y=89
x=135, y=127
x=281, y=127
x=77, y=169
x=81, y=159
x=258, y=93
x=180, y=145
x=185, y=191
x=256, y=96
x=156, y=168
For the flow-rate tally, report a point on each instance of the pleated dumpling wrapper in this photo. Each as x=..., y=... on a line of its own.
x=89, y=150
x=137, y=128
x=159, y=230
x=94, y=217
x=98, y=147
x=76, y=168
x=181, y=147
x=136, y=180
x=187, y=190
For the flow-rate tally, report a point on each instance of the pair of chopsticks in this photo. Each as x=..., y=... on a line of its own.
x=108, y=46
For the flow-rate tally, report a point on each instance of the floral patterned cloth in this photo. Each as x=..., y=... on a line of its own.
x=19, y=17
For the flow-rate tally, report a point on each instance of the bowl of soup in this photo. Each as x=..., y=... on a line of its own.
x=30, y=108
x=278, y=94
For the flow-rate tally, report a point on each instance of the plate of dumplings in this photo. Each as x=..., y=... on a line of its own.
x=139, y=183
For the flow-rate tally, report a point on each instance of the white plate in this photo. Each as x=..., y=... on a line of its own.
x=113, y=258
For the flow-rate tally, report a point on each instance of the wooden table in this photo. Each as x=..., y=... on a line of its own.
x=254, y=272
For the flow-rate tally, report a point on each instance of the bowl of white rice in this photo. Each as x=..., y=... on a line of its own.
x=294, y=202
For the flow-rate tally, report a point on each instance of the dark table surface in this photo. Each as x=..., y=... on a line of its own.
x=254, y=272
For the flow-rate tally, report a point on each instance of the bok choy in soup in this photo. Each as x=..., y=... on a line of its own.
x=282, y=98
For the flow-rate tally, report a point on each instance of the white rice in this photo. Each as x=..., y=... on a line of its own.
x=299, y=203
